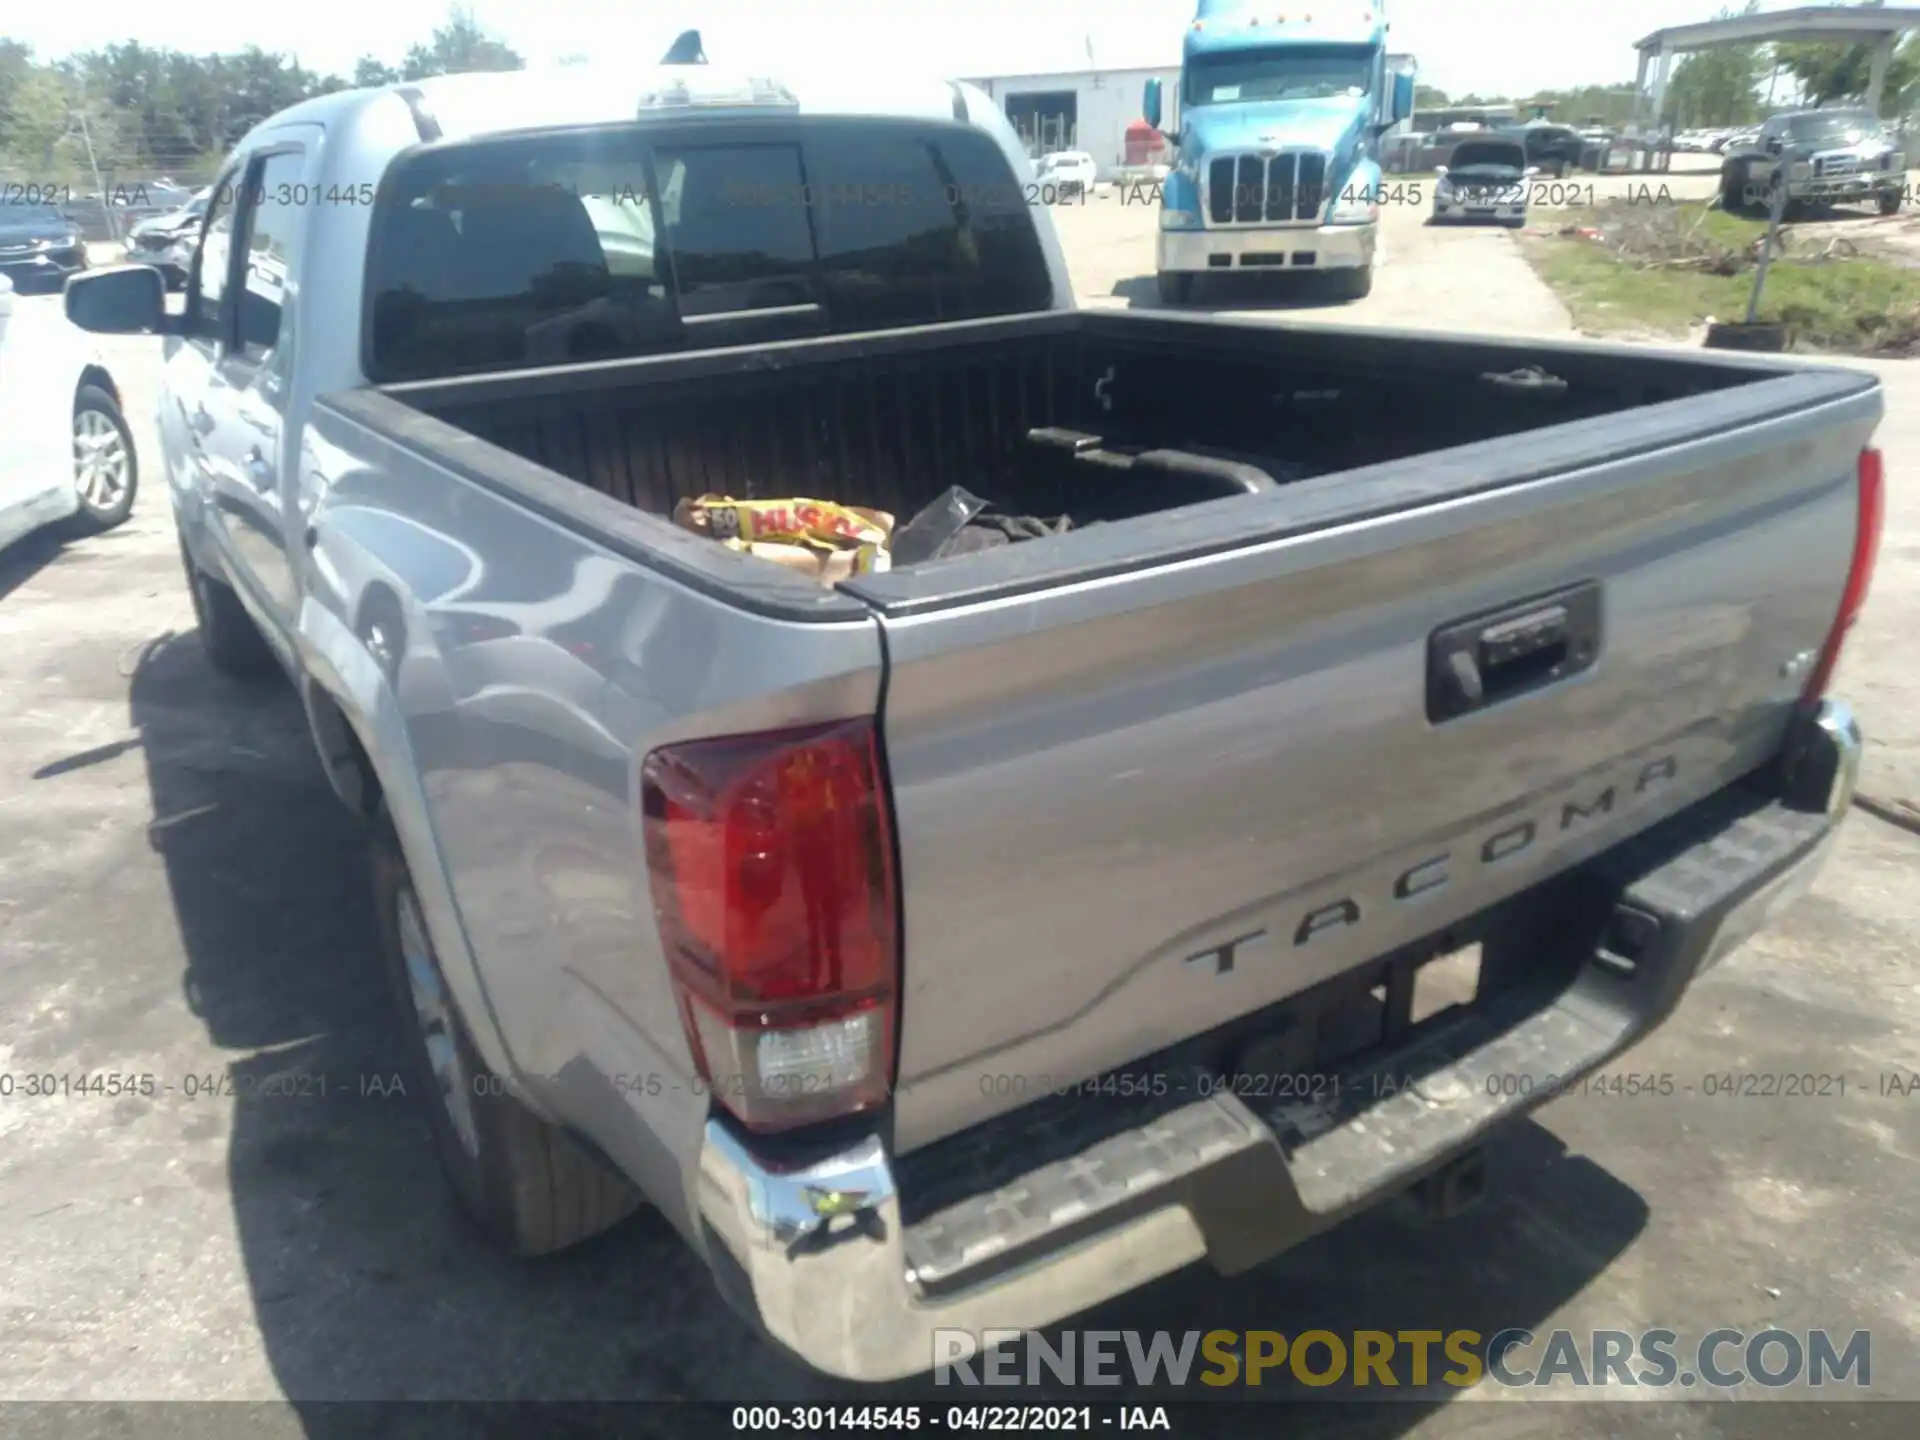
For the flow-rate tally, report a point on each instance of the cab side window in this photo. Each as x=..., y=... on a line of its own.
x=210, y=279
x=271, y=250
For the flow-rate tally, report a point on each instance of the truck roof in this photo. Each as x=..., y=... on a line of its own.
x=1226, y=25
x=493, y=103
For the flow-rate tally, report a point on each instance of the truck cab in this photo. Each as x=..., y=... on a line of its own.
x=1276, y=145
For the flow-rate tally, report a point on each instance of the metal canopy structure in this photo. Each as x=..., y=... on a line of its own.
x=1880, y=25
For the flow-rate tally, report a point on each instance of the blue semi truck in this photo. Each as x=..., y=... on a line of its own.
x=1276, y=166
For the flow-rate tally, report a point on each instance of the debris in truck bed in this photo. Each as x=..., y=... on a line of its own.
x=990, y=531
x=827, y=541
x=930, y=533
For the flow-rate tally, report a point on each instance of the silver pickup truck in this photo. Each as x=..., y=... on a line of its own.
x=965, y=943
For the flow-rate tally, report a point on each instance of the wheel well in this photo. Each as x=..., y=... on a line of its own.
x=343, y=755
x=96, y=375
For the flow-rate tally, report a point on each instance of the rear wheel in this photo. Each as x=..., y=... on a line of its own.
x=1890, y=201
x=1176, y=287
x=106, y=468
x=529, y=1185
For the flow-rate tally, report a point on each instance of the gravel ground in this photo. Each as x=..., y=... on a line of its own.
x=179, y=897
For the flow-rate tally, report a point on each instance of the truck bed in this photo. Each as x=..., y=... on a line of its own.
x=1165, y=772
x=1221, y=409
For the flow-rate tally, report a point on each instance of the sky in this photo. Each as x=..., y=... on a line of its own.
x=1489, y=46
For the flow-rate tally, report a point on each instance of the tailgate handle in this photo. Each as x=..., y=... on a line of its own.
x=1485, y=659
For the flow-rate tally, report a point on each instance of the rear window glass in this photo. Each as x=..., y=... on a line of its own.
x=631, y=241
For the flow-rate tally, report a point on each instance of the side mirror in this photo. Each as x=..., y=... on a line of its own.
x=686, y=50
x=1150, y=103
x=1775, y=145
x=121, y=300
x=1439, y=170
x=1402, y=97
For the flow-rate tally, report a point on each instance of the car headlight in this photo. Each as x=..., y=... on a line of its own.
x=1178, y=219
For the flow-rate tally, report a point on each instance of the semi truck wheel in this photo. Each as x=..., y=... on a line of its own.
x=1354, y=284
x=531, y=1187
x=1176, y=287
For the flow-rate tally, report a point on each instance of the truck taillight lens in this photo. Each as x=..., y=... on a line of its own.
x=771, y=862
x=1872, y=503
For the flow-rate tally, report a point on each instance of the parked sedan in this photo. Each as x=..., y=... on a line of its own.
x=167, y=242
x=1070, y=172
x=39, y=243
x=1484, y=180
x=65, y=451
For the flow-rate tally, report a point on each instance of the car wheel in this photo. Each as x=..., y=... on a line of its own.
x=1890, y=202
x=1176, y=287
x=529, y=1185
x=106, y=468
x=227, y=633
x=1733, y=189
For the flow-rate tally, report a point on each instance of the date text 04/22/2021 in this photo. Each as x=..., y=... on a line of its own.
x=898, y=1419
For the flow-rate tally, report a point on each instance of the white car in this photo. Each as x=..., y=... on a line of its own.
x=1070, y=172
x=1484, y=179
x=65, y=450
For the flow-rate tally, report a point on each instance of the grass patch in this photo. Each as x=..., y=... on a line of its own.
x=1666, y=270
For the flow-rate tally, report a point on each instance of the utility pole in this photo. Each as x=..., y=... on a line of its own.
x=99, y=185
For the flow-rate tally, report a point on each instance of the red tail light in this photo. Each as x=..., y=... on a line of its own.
x=1866, y=544
x=771, y=861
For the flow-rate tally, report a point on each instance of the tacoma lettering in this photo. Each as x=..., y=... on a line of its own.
x=1432, y=873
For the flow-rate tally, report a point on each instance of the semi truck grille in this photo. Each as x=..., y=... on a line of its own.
x=1279, y=189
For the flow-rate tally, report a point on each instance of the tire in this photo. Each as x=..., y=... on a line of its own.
x=531, y=1187
x=1889, y=202
x=1349, y=285
x=1733, y=190
x=106, y=466
x=227, y=633
x=1176, y=287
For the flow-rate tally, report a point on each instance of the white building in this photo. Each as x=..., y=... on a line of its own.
x=1086, y=110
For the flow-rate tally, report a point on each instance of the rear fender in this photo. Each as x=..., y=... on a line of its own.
x=349, y=703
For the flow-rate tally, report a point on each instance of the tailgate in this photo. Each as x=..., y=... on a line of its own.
x=1134, y=806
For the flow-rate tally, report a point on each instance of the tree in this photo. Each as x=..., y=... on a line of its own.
x=1609, y=105
x=1429, y=97
x=1716, y=87
x=457, y=47
x=369, y=71
x=38, y=116
x=1830, y=71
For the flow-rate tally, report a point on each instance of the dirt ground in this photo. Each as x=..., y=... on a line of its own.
x=180, y=897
